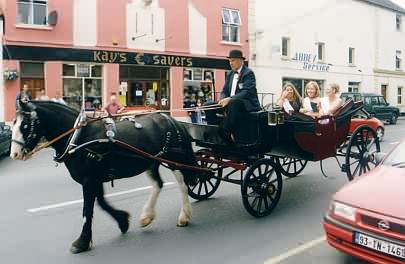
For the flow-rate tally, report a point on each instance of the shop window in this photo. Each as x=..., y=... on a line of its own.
x=82, y=86
x=32, y=12
x=231, y=23
x=399, y=95
x=32, y=70
x=146, y=86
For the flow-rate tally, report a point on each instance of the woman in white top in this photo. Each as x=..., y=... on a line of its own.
x=310, y=104
x=331, y=102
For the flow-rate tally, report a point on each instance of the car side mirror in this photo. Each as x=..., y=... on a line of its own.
x=379, y=156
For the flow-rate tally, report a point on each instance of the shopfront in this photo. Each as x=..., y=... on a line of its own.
x=87, y=78
x=144, y=86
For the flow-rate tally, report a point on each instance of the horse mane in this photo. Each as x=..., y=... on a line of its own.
x=58, y=106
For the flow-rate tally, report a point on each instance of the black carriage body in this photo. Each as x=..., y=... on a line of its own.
x=300, y=137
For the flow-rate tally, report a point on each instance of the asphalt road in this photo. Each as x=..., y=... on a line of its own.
x=40, y=215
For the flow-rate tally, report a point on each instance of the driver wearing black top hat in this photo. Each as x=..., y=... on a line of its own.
x=239, y=94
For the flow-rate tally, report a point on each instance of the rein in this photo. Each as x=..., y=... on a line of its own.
x=80, y=125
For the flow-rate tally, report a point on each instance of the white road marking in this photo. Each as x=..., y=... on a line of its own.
x=53, y=206
x=295, y=251
x=394, y=143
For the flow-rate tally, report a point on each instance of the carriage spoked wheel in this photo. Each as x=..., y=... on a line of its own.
x=206, y=185
x=361, y=150
x=291, y=167
x=261, y=187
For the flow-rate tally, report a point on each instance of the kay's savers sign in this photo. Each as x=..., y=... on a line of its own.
x=107, y=56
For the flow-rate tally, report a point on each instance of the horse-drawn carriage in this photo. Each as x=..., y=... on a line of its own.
x=270, y=144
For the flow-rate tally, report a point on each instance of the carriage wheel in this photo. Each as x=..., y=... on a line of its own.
x=261, y=188
x=205, y=185
x=362, y=146
x=291, y=167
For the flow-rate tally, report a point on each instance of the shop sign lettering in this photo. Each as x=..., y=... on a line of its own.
x=109, y=56
x=166, y=60
x=310, y=63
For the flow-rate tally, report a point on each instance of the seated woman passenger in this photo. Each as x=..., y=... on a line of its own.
x=331, y=102
x=311, y=102
x=290, y=100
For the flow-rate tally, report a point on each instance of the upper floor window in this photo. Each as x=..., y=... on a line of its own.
x=398, y=21
x=351, y=56
x=231, y=23
x=321, y=51
x=398, y=60
x=32, y=12
x=285, y=47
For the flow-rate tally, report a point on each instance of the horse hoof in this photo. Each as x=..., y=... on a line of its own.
x=76, y=248
x=182, y=223
x=144, y=222
x=123, y=221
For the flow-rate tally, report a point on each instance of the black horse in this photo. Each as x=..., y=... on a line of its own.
x=157, y=134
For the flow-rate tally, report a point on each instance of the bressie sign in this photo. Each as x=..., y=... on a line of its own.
x=310, y=62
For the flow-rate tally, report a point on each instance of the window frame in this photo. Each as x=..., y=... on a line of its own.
x=400, y=90
x=31, y=17
x=398, y=22
x=288, y=49
x=321, y=51
x=231, y=24
x=398, y=60
x=352, y=53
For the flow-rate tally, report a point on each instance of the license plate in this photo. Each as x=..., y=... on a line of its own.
x=379, y=245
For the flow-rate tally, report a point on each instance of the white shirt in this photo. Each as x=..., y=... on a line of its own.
x=235, y=81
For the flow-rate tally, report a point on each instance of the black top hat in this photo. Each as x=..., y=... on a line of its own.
x=236, y=54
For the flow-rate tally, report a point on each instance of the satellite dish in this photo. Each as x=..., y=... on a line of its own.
x=53, y=18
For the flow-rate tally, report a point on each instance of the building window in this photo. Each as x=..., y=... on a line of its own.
x=32, y=74
x=384, y=88
x=398, y=22
x=353, y=87
x=82, y=81
x=285, y=47
x=351, y=56
x=231, y=23
x=399, y=96
x=398, y=60
x=321, y=52
x=32, y=12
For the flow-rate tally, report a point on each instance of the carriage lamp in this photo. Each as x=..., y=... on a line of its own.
x=280, y=118
x=272, y=118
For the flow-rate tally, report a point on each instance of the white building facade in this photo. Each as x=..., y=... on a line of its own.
x=358, y=44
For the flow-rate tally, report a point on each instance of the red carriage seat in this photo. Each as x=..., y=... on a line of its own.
x=326, y=133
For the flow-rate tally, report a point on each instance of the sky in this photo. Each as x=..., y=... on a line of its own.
x=401, y=3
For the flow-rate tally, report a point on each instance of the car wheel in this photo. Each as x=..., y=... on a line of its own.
x=394, y=119
x=380, y=133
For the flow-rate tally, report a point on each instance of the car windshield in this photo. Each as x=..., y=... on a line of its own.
x=397, y=157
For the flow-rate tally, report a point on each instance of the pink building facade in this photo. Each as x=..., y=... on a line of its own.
x=150, y=53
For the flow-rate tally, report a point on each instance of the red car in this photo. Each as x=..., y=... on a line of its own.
x=364, y=118
x=366, y=218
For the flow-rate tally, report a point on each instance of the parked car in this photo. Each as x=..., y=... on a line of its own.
x=376, y=105
x=366, y=217
x=5, y=139
x=362, y=117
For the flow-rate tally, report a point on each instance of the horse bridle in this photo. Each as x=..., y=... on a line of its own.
x=32, y=135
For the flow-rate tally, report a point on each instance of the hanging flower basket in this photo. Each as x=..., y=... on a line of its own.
x=10, y=75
